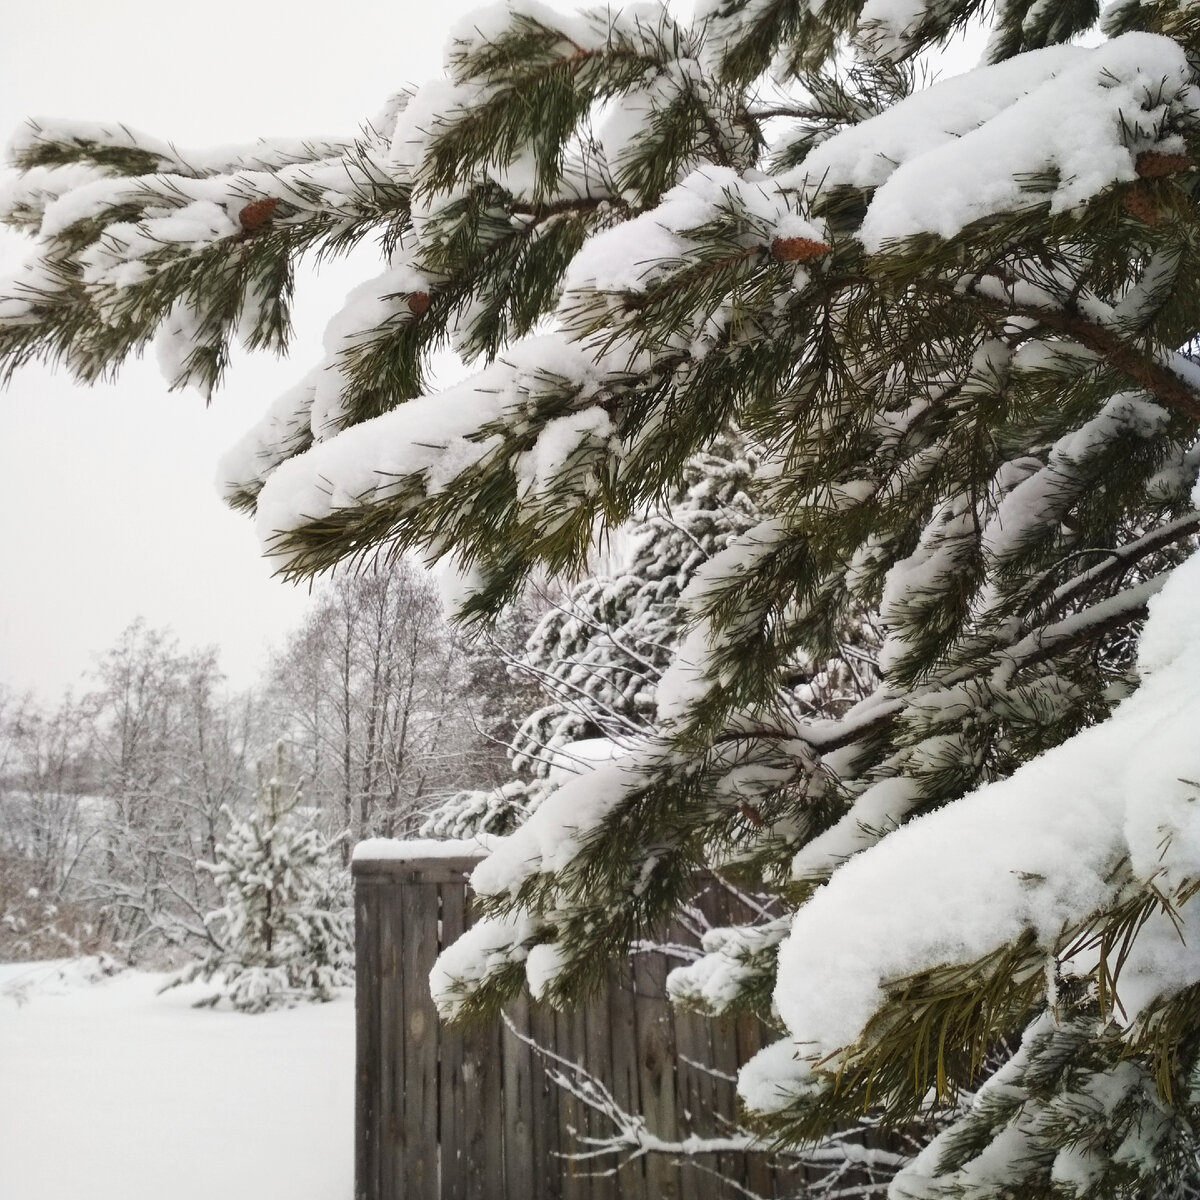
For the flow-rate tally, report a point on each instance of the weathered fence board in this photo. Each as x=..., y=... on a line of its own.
x=460, y=1114
x=472, y=1114
x=371, y=1050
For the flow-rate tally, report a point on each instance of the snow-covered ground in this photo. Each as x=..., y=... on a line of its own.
x=111, y=1092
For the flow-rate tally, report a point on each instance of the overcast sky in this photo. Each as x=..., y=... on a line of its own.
x=107, y=505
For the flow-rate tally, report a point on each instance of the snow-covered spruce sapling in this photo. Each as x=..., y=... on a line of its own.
x=590, y=665
x=283, y=934
x=599, y=652
x=955, y=323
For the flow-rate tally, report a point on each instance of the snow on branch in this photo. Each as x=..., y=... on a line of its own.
x=1037, y=854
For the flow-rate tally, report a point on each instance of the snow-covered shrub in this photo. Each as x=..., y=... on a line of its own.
x=285, y=930
x=479, y=810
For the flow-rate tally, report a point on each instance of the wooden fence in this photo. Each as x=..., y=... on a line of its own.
x=471, y=1114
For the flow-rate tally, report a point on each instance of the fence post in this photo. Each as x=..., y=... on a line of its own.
x=400, y=1047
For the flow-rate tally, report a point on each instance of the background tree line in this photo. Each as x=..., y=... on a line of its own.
x=109, y=799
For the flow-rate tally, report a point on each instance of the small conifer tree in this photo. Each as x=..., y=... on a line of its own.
x=957, y=324
x=283, y=933
x=599, y=652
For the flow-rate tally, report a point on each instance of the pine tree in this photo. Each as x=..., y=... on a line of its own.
x=956, y=324
x=283, y=933
x=599, y=653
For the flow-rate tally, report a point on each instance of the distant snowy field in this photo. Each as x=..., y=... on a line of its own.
x=110, y=1092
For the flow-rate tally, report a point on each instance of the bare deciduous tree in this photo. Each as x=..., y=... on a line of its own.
x=374, y=691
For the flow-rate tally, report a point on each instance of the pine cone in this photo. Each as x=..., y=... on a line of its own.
x=1153, y=165
x=257, y=213
x=419, y=303
x=1140, y=203
x=798, y=249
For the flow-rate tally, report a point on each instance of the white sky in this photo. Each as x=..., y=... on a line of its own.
x=107, y=505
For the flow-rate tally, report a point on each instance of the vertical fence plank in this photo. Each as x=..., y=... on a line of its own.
x=718, y=906
x=483, y=1077
x=458, y=1102
x=367, y=1047
x=598, y=1055
x=570, y=1043
x=483, y=1110
x=657, y=1067
x=626, y=1078
x=420, y=1032
x=693, y=1093
x=723, y=1040
x=519, y=1069
x=759, y=1175
x=549, y=1100
x=394, y=986
x=751, y=1035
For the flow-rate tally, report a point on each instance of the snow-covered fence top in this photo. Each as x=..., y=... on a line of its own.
x=385, y=853
x=479, y=1113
